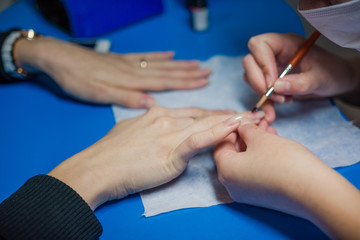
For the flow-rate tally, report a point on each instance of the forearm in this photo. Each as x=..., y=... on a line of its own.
x=332, y=203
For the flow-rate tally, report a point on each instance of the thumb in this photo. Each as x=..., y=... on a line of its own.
x=249, y=132
x=295, y=84
x=225, y=149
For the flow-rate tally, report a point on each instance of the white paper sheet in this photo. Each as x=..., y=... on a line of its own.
x=316, y=124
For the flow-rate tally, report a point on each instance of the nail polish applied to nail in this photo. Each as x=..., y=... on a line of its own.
x=229, y=111
x=257, y=115
x=233, y=120
x=268, y=80
x=282, y=86
x=147, y=102
x=245, y=121
x=205, y=71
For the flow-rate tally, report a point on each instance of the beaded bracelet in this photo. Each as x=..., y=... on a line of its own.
x=7, y=52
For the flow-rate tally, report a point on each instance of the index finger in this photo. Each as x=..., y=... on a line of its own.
x=264, y=48
x=272, y=49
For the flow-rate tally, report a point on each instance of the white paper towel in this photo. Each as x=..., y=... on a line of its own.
x=316, y=124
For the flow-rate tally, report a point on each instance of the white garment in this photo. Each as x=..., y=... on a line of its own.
x=340, y=23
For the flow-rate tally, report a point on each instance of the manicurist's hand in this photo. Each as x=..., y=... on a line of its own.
x=107, y=77
x=263, y=169
x=319, y=73
x=144, y=152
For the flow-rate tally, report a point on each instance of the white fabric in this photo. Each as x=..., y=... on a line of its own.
x=316, y=124
x=340, y=23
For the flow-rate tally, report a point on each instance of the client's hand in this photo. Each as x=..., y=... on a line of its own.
x=262, y=169
x=107, y=77
x=144, y=152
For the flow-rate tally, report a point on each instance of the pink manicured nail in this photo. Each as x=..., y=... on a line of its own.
x=205, y=70
x=147, y=102
x=281, y=86
x=245, y=121
x=228, y=111
x=282, y=99
x=233, y=120
x=201, y=82
x=267, y=118
x=169, y=53
x=278, y=98
x=257, y=115
x=236, y=119
x=268, y=80
x=193, y=63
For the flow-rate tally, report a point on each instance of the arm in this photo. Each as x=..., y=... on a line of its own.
x=263, y=169
x=137, y=154
x=108, y=78
x=112, y=165
x=46, y=208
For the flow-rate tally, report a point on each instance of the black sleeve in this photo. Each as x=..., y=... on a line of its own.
x=46, y=208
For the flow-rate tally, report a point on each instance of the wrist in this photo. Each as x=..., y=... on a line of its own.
x=81, y=180
x=31, y=55
x=329, y=201
x=9, y=51
x=90, y=178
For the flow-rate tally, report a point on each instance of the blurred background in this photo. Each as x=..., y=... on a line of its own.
x=352, y=112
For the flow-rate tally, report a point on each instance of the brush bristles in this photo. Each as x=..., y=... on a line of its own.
x=259, y=104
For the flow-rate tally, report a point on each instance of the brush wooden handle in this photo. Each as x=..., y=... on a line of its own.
x=304, y=49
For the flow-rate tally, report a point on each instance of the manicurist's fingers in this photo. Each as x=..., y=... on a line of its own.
x=296, y=84
x=264, y=49
x=254, y=76
x=249, y=132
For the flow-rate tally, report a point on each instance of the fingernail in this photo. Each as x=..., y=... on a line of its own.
x=267, y=118
x=268, y=80
x=147, y=102
x=281, y=86
x=205, y=70
x=278, y=98
x=233, y=120
x=257, y=115
x=169, y=53
x=193, y=63
x=228, y=111
x=200, y=82
x=245, y=121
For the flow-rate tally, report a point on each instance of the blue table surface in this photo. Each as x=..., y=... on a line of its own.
x=39, y=129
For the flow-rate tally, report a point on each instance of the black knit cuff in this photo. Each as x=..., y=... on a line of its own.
x=46, y=208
